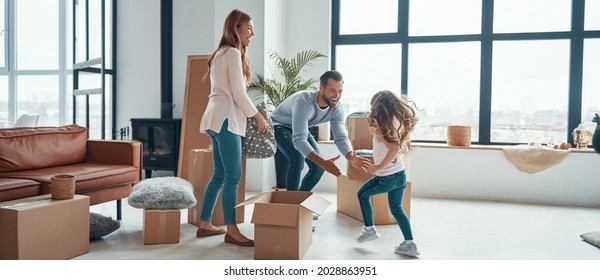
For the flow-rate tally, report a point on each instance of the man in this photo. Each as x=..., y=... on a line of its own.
x=304, y=109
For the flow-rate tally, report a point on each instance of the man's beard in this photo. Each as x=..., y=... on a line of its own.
x=328, y=102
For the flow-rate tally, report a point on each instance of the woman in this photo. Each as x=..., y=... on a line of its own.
x=225, y=122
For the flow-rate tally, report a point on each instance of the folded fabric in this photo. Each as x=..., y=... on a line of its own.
x=533, y=159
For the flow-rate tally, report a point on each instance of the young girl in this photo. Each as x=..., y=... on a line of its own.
x=391, y=120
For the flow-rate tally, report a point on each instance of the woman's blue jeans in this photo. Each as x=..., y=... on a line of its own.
x=227, y=172
x=394, y=186
x=296, y=160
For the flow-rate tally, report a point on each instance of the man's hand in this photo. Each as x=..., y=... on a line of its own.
x=358, y=162
x=327, y=164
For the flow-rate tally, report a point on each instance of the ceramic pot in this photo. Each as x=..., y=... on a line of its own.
x=582, y=136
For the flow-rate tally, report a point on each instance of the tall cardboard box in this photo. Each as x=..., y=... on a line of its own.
x=358, y=132
x=162, y=226
x=283, y=223
x=42, y=228
x=200, y=170
x=347, y=202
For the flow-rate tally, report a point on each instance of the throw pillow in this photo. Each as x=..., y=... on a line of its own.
x=101, y=225
x=592, y=238
x=162, y=193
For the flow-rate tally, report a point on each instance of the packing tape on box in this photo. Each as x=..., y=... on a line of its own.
x=162, y=225
x=195, y=158
x=25, y=203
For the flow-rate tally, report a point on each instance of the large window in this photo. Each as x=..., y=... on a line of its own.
x=530, y=91
x=444, y=84
x=516, y=71
x=36, y=61
x=379, y=71
x=590, y=103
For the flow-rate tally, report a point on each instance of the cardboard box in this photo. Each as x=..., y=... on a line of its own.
x=162, y=226
x=347, y=202
x=358, y=132
x=283, y=223
x=359, y=174
x=41, y=228
x=200, y=170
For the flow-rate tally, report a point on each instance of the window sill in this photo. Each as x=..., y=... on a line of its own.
x=472, y=147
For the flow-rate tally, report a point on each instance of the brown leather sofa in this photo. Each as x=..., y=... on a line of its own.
x=105, y=170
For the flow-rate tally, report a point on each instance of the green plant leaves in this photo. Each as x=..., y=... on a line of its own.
x=290, y=69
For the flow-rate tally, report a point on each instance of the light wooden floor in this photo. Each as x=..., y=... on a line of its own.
x=443, y=230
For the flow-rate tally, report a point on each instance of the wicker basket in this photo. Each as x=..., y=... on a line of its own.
x=62, y=186
x=459, y=135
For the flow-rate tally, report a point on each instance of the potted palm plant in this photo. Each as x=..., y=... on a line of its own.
x=289, y=69
x=278, y=90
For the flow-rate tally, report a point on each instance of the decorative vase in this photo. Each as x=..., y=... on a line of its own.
x=582, y=136
x=62, y=186
x=459, y=135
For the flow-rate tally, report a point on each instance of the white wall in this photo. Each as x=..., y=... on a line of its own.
x=487, y=174
x=138, y=60
x=286, y=26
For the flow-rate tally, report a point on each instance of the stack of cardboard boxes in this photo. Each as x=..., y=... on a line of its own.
x=348, y=185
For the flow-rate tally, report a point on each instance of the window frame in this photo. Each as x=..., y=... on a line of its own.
x=576, y=36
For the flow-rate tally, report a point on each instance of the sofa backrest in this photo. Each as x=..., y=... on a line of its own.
x=39, y=147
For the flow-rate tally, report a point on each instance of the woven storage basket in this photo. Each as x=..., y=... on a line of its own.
x=62, y=186
x=459, y=135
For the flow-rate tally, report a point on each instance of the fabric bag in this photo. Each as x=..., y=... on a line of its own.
x=256, y=144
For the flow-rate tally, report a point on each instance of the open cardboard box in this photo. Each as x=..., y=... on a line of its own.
x=283, y=223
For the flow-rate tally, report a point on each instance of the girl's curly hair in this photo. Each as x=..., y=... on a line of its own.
x=393, y=116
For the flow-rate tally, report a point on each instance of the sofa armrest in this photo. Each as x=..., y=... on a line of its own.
x=115, y=152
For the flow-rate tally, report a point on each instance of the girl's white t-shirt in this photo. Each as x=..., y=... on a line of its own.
x=379, y=152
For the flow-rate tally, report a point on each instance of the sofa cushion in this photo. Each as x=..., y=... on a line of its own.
x=88, y=176
x=11, y=189
x=39, y=147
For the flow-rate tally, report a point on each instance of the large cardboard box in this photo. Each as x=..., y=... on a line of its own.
x=358, y=133
x=347, y=202
x=283, y=223
x=162, y=226
x=200, y=170
x=42, y=228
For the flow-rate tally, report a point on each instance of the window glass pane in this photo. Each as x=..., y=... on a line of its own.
x=368, y=69
x=530, y=91
x=438, y=17
x=95, y=127
x=591, y=84
x=37, y=34
x=532, y=15
x=365, y=17
x=80, y=41
x=69, y=33
x=4, y=101
x=2, y=34
x=592, y=15
x=443, y=82
x=95, y=22
x=108, y=37
x=39, y=95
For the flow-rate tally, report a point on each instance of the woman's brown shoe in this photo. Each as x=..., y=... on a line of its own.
x=229, y=239
x=202, y=232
